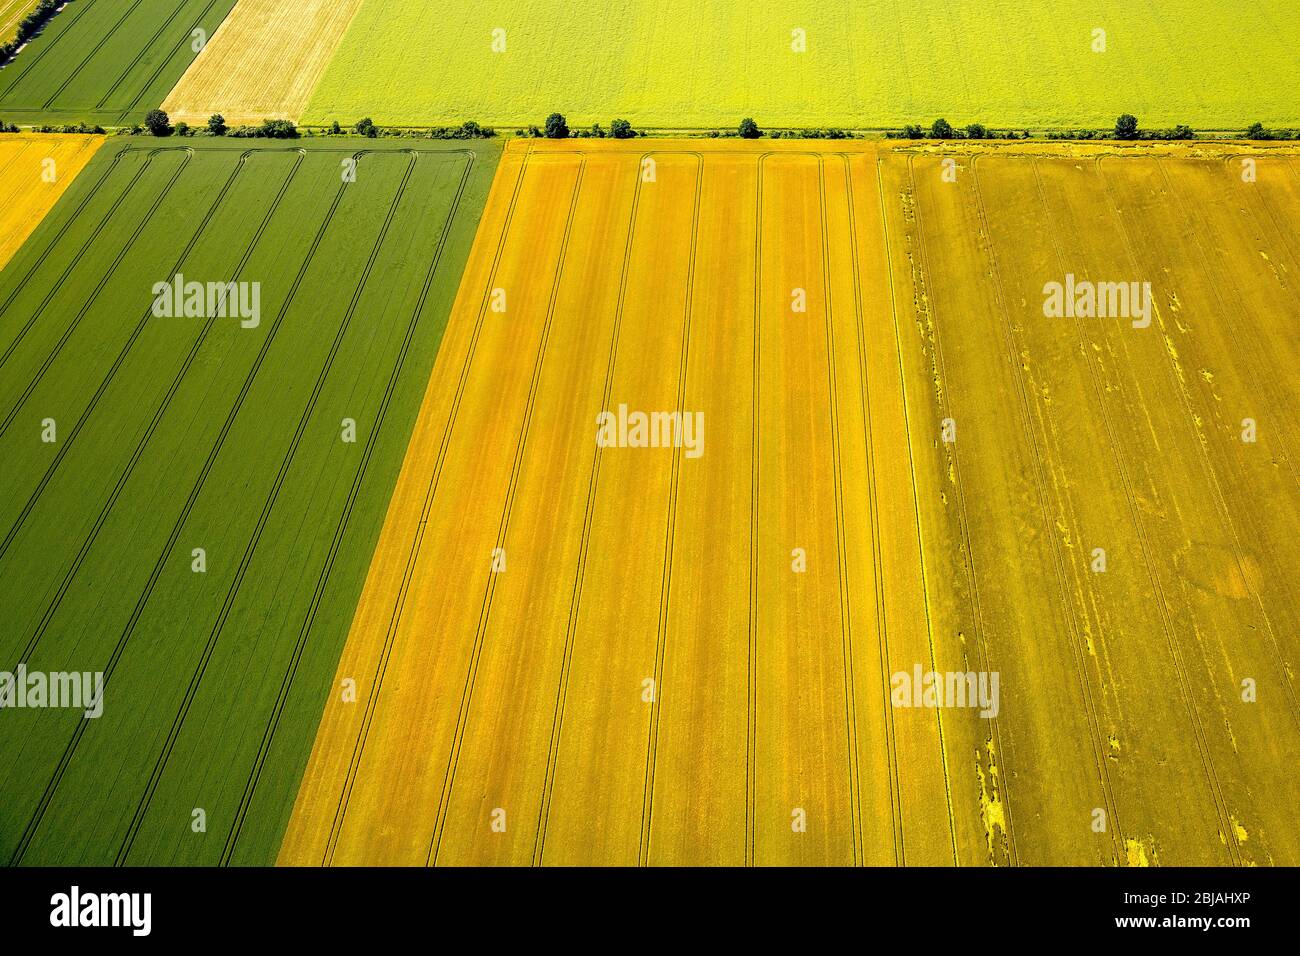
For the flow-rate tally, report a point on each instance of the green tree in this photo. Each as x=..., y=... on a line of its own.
x=976, y=131
x=158, y=123
x=366, y=127
x=1126, y=127
x=749, y=129
x=941, y=129
x=217, y=124
x=557, y=127
x=621, y=129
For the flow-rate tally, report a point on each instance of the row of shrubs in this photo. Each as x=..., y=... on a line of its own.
x=556, y=127
x=30, y=26
x=159, y=123
x=366, y=127
x=82, y=128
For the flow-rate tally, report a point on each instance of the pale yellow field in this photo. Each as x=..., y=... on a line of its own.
x=35, y=169
x=573, y=654
x=262, y=63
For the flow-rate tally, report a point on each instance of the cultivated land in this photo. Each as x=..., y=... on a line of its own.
x=263, y=63
x=34, y=172
x=690, y=64
x=107, y=62
x=182, y=433
x=12, y=13
x=502, y=714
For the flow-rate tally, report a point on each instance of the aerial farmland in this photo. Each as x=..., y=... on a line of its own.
x=687, y=64
x=828, y=537
x=571, y=435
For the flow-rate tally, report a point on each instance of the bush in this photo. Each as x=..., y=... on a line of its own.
x=977, y=131
x=942, y=129
x=181, y=129
x=1257, y=131
x=278, y=129
x=1126, y=127
x=366, y=127
x=597, y=131
x=748, y=129
x=335, y=129
x=270, y=129
x=557, y=127
x=158, y=123
x=621, y=129
x=467, y=130
x=913, y=131
x=217, y=124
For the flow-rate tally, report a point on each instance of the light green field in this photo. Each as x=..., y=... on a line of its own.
x=177, y=433
x=1212, y=64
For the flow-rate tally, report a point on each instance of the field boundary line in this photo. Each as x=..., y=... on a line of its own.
x=341, y=529
x=503, y=531
x=163, y=61
x=381, y=665
x=63, y=227
x=665, y=584
x=963, y=513
x=250, y=550
x=168, y=396
x=76, y=259
x=145, y=48
x=120, y=648
x=1040, y=466
x=562, y=689
x=916, y=505
x=873, y=502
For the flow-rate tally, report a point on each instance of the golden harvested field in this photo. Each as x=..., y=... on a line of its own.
x=263, y=62
x=35, y=169
x=576, y=651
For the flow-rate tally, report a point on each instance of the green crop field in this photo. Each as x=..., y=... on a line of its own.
x=131, y=441
x=105, y=61
x=696, y=64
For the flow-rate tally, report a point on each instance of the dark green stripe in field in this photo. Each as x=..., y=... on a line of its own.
x=182, y=433
x=105, y=61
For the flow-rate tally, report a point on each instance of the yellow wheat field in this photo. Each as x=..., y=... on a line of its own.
x=570, y=652
x=262, y=63
x=35, y=169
